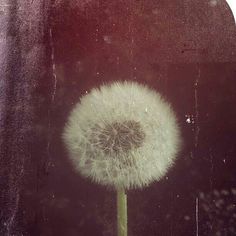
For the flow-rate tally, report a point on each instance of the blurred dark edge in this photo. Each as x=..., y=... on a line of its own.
x=24, y=68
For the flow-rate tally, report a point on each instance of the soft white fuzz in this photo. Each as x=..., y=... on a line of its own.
x=123, y=135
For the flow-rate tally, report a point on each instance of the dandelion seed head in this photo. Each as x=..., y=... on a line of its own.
x=118, y=137
x=123, y=135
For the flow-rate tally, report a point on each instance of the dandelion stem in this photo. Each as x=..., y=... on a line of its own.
x=121, y=212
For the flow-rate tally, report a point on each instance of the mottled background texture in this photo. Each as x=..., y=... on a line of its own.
x=53, y=52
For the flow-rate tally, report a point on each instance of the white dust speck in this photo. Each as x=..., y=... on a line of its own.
x=188, y=120
x=202, y=195
x=233, y=190
x=213, y=3
x=216, y=193
x=107, y=39
x=225, y=192
x=187, y=218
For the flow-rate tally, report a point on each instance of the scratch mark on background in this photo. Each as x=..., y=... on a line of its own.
x=15, y=192
x=54, y=89
x=10, y=222
x=197, y=218
x=53, y=65
x=6, y=5
x=212, y=168
x=197, y=128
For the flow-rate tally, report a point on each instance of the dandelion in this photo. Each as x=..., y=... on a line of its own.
x=123, y=135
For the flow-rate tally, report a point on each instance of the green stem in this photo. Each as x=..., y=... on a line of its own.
x=121, y=212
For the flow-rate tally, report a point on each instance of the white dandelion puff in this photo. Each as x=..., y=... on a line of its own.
x=123, y=135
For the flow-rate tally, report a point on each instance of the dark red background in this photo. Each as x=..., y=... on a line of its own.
x=186, y=50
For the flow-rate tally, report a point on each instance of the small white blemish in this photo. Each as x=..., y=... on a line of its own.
x=233, y=190
x=117, y=60
x=216, y=193
x=218, y=233
x=107, y=39
x=202, y=195
x=79, y=66
x=188, y=120
x=225, y=192
x=213, y=3
x=155, y=11
x=187, y=218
